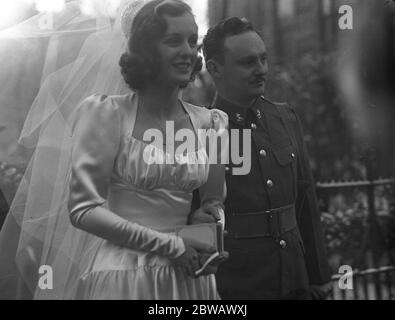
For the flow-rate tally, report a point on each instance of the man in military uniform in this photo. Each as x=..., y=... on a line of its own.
x=274, y=236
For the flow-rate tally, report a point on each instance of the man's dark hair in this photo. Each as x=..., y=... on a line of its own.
x=214, y=41
x=141, y=63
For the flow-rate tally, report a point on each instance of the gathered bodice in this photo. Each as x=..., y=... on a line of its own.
x=154, y=195
x=131, y=169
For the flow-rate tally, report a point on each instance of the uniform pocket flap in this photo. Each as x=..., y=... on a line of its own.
x=285, y=155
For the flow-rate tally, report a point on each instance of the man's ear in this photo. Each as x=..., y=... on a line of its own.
x=214, y=68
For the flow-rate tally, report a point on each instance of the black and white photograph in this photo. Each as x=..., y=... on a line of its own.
x=219, y=151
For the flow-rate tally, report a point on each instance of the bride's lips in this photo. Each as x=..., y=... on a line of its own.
x=183, y=66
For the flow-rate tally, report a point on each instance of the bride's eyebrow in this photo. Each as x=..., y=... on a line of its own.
x=179, y=34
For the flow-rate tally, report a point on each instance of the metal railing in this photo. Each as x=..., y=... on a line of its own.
x=373, y=238
x=374, y=283
x=354, y=183
x=370, y=284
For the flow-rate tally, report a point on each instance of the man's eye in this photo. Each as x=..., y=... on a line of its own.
x=248, y=62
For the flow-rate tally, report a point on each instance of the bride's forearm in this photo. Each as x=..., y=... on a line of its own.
x=107, y=225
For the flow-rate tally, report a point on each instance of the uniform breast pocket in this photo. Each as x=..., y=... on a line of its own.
x=285, y=156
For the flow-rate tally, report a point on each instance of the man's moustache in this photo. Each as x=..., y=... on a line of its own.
x=257, y=80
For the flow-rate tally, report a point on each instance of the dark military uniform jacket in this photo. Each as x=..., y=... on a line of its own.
x=275, y=239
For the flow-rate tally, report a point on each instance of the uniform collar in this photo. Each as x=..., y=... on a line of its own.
x=236, y=113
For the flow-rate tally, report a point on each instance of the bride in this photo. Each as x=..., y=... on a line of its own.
x=90, y=210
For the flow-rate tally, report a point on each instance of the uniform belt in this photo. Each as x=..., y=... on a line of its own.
x=270, y=223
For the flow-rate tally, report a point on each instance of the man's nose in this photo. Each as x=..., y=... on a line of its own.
x=262, y=68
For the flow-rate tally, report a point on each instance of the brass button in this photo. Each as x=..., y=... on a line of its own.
x=227, y=168
x=270, y=183
x=263, y=153
x=283, y=244
x=253, y=126
x=293, y=155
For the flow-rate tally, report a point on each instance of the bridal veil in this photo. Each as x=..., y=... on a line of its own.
x=37, y=242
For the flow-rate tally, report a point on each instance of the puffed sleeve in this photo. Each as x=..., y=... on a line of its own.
x=96, y=139
x=213, y=192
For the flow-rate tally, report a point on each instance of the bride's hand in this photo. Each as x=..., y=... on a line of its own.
x=207, y=214
x=189, y=261
x=212, y=268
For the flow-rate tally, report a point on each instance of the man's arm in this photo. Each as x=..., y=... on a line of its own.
x=309, y=218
